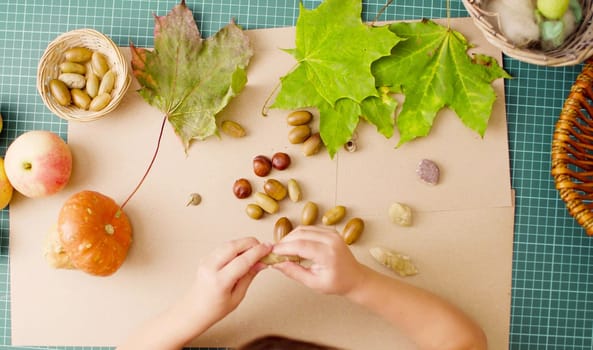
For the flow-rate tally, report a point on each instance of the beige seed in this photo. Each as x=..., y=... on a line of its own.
x=294, y=190
x=100, y=102
x=73, y=80
x=107, y=83
x=268, y=204
x=92, y=85
x=99, y=64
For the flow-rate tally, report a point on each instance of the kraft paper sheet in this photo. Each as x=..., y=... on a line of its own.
x=461, y=240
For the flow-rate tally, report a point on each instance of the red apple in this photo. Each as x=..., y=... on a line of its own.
x=38, y=163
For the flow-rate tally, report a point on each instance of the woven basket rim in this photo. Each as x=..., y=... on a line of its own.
x=567, y=156
x=573, y=51
x=46, y=68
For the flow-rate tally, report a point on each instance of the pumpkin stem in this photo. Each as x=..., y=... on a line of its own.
x=156, y=151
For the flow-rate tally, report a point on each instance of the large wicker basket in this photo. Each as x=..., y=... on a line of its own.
x=49, y=69
x=576, y=49
x=572, y=150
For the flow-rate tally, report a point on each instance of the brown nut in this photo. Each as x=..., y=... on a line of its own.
x=282, y=227
x=267, y=203
x=309, y=213
x=312, y=145
x=294, y=190
x=242, y=188
x=72, y=67
x=299, y=118
x=280, y=160
x=254, y=211
x=352, y=230
x=262, y=165
x=78, y=54
x=275, y=189
x=80, y=98
x=60, y=92
x=299, y=134
x=334, y=215
x=232, y=128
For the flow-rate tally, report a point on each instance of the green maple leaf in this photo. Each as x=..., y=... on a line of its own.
x=433, y=70
x=188, y=78
x=334, y=52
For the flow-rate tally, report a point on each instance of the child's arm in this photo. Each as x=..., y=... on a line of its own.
x=221, y=282
x=428, y=320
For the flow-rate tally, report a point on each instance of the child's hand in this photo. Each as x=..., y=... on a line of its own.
x=334, y=269
x=224, y=275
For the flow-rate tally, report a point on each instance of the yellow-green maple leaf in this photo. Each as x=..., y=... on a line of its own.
x=188, y=78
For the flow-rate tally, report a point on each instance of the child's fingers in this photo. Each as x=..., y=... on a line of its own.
x=228, y=251
x=246, y=261
x=296, y=272
x=311, y=233
x=244, y=282
x=305, y=248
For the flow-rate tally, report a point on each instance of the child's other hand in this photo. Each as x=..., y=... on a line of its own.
x=333, y=269
x=224, y=275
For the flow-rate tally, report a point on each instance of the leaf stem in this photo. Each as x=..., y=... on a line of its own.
x=381, y=12
x=265, y=108
x=156, y=151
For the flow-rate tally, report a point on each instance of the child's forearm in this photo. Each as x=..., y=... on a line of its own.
x=172, y=329
x=427, y=319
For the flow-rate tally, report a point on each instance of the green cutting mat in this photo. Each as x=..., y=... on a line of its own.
x=552, y=296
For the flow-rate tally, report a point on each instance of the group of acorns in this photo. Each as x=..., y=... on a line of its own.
x=275, y=191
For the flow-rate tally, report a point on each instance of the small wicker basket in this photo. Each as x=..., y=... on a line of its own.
x=576, y=49
x=572, y=150
x=48, y=69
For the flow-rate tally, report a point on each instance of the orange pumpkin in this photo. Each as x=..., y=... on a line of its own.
x=94, y=232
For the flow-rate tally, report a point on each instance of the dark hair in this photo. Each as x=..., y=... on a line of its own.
x=275, y=342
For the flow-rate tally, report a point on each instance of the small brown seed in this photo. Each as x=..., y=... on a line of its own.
x=312, y=145
x=282, y=228
x=309, y=214
x=268, y=204
x=280, y=161
x=242, y=188
x=351, y=146
x=334, y=215
x=254, y=211
x=262, y=165
x=352, y=230
x=299, y=118
x=60, y=92
x=294, y=190
x=275, y=189
x=232, y=128
x=299, y=134
x=80, y=98
x=78, y=54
